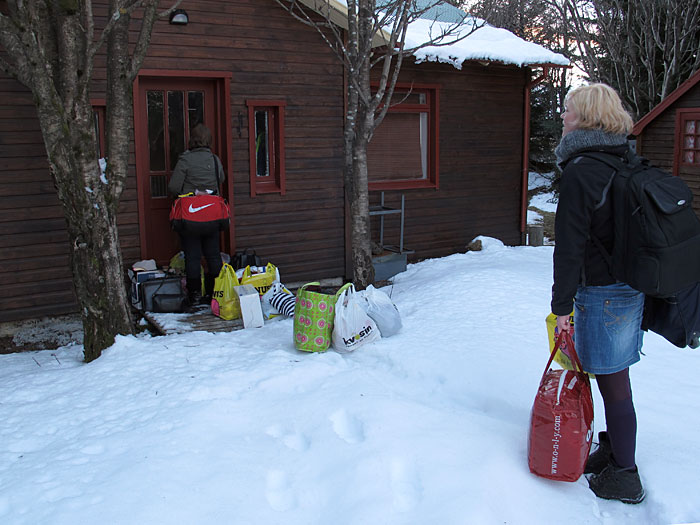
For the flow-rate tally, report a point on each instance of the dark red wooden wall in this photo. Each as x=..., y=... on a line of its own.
x=274, y=57
x=657, y=142
x=480, y=159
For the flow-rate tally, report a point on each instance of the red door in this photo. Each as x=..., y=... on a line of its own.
x=170, y=108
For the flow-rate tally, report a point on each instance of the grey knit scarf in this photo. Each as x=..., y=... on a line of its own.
x=580, y=139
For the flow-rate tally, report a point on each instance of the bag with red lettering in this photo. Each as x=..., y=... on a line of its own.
x=561, y=421
x=199, y=214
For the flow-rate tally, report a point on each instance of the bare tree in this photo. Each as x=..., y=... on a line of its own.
x=375, y=38
x=644, y=49
x=50, y=47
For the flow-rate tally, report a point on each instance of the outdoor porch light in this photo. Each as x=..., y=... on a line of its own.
x=179, y=17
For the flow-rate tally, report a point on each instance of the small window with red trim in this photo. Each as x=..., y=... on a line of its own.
x=403, y=152
x=690, y=139
x=98, y=117
x=266, y=146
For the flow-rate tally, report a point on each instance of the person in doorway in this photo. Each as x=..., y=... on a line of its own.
x=607, y=313
x=199, y=171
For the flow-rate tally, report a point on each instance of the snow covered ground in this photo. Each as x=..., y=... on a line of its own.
x=541, y=201
x=426, y=427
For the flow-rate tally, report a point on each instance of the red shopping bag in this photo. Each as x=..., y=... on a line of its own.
x=561, y=421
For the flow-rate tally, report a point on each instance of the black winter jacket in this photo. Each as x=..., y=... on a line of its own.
x=577, y=260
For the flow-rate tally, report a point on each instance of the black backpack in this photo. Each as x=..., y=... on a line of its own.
x=657, y=234
x=677, y=318
x=246, y=257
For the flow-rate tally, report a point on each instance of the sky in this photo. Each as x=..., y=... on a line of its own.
x=427, y=426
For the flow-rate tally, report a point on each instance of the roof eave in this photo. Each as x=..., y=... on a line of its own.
x=665, y=103
x=337, y=13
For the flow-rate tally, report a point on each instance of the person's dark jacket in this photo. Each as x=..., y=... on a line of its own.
x=577, y=259
x=196, y=169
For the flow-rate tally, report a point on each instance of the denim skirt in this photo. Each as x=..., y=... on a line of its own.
x=607, y=321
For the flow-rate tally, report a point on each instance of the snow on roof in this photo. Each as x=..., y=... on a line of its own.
x=486, y=43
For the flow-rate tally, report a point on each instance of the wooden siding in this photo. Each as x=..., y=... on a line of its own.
x=481, y=123
x=658, y=140
x=270, y=56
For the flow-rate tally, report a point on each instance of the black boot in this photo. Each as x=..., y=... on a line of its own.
x=617, y=483
x=194, y=291
x=599, y=459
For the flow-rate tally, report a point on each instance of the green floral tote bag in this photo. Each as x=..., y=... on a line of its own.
x=313, y=318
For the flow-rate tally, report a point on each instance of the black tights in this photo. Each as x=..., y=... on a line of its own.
x=620, y=417
x=194, y=247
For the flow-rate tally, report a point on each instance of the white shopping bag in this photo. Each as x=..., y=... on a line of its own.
x=352, y=326
x=382, y=310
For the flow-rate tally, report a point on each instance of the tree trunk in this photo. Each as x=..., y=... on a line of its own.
x=90, y=214
x=49, y=47
x=363, y=270
x=89, y=199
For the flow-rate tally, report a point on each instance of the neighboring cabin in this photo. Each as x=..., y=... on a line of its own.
x=669, y=135
x=246, y=68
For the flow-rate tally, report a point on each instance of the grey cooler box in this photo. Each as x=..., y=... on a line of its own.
x=169, y=288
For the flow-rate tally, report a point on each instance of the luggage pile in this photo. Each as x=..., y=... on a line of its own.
x=249, y=290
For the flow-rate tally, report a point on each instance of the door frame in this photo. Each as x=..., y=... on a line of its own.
x=221, y=137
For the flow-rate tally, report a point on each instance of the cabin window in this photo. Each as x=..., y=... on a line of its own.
x=171, y=115
x=403, y=152
x=690, y=139
x=98, y=118
x=266, y=146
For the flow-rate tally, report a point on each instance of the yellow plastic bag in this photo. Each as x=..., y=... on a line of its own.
x=224, y=301
x=261, y=281
x=177, y=263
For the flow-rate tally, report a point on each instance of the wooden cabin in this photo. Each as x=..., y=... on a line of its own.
x=244, y=67
x=669, y=135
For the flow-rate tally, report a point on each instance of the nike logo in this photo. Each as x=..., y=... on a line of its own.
x=195, y=210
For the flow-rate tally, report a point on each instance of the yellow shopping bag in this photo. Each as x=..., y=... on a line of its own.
x=177, y=262
x=224, y=301
x=261, y=281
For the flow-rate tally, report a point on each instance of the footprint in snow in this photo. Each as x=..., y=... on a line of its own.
x=293, y=440
x=348, y=427
x=279, y=494
x=405, y=485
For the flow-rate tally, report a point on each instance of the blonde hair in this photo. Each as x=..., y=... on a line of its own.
x=598, y=106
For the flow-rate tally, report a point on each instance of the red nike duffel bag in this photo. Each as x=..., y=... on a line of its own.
x=199, y=214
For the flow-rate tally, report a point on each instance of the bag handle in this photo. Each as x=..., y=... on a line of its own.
x=317, y=283
x=342, y=290
x=303, y=287
x=565, y=337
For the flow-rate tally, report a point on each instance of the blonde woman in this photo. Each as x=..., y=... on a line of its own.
x=607, y=313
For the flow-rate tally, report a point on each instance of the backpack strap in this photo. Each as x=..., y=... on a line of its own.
x=615, y=162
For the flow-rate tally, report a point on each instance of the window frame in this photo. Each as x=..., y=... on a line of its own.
x=682, y=116
x=432, y=108
x=275, y=182
x=99, y=109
